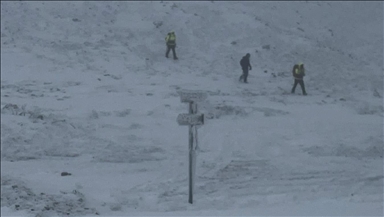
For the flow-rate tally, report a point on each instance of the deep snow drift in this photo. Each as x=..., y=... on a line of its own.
x=86, y=89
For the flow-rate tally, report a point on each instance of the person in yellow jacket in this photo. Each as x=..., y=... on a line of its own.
x=170, y=40
x=298, y=73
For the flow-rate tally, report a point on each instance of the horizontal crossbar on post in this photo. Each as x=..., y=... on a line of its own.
x=190, y=119
x=192, y=96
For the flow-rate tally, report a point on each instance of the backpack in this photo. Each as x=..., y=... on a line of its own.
x=242, y=62
x=294, y=69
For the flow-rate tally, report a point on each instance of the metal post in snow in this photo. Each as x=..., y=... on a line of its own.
x=191, y=119
x=191, y=153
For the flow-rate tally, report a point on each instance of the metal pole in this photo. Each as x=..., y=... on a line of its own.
x=191, y=157
x=195, y=146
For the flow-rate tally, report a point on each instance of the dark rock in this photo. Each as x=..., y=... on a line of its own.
x=65, y=174
x=266, y=47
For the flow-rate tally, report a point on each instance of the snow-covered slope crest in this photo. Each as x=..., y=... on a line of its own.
x=86, y=89
x=338, y=41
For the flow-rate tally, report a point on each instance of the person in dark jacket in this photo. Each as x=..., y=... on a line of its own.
x=170, y=40
x=298, y=73
x=245, y=66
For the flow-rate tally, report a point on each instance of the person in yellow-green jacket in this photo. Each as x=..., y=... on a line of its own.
x=298, y=73
x=170, y=40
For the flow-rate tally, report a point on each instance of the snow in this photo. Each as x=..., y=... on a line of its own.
x=86, y=89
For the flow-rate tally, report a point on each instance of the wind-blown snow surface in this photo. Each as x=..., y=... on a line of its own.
x=86, y=89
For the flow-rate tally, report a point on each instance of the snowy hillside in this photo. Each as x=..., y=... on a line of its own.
x=86, y=89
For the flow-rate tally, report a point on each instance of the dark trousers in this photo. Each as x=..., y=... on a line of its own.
x=169, y=48
x=244, y=76
x=301, y=82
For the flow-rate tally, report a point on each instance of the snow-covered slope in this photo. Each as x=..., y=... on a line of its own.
x=86, y=89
